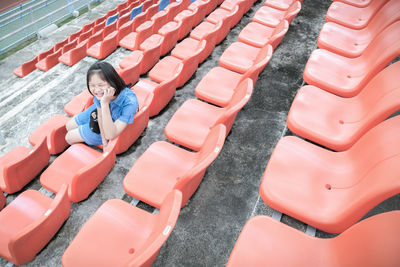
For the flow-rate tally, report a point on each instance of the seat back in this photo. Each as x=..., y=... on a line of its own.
x=133, y=130
x=372, y=242
x=293, y=10
x=279, y=33
x=384, y=48
x=122, y=20
x=98, y=27
x=240, y=97
x=61, y=44
x=208, y=153
x=136, y=11
x=388, y=14
x=108, y=29
x=88, y=26
x=151, y=11
x=24, y=246
x=22, y=170
x=262, y=59
x=165, y=223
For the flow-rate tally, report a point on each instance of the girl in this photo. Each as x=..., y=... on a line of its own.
x=114, y=108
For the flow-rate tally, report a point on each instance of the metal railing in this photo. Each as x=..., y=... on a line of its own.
x=25, y=21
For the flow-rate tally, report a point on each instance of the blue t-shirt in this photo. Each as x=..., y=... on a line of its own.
x=122, y=108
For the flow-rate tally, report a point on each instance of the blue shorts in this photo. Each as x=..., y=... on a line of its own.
x=82, y=119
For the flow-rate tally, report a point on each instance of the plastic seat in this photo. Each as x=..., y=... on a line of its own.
x=26, y=68
x=271, y=17
x=267, y=242
x=259, y=35
x=167, y=67
x=204, y=31
x=74, y=35
x=340, y=122
x=151, y=11
x=88, y=26
x=177, y=169
x=69, y=46
x=130, y=72
x=219, y=84
x=191, y=123
x=133, y=130
x=333, y=190
x=201, y=7
x=119, y=234
x=84, y=36
x=352, y=43
x=21, y=165
x=241, y=57
x=226, y=17
x=279, y=4
x=347, y=76
x=100, y=20
x=186, y=17
x=351, y=16
x=159, y=19
x=98, y=27
x=163, y=92
x=170, y=32
x=147, y=4
x=29, y=222
x=81, y=167
x=103, y=49
x=49, y=62
x=60, y=44
x=3, y=200
x=173, y=9
x=131, y=25
x=123, y=19
x=54, y=130
x=112, y=19
x=151, y=49
x=133, y=40
x=79, y=103
x=231, y=5
x=356, y=3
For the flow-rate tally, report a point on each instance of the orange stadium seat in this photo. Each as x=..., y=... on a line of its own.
x=54, y=130
x=107, y=45
x=187, y=18
x=163, y=92
x=130, y=72
x=70, y=45
x=170, y=32
x=281, y=4
x=133, y=40
x=49, y=61
x=81, y=167
x=219, y=84
x=60, y=44
x=242, y=7
x=29, y=222
x=271, y=17
x=177, y=168
x=241, y=57
x=151, y=50
x=226, y=17
x=133, y=130
x=79, y=103
x=167, y=67
x=191, y=123
x=340, y=122
x=151, y=11
x=352, y=43
x=131, y=25
x=267, y=242
x=206, y=31
x=160, y=18
x=333, y=190
x=201, y=6
x=119, y=234
x=21, y=165
x=347, y=76
x=26, y=68
x=259, y=35
x=351, y=16
x=356, y=3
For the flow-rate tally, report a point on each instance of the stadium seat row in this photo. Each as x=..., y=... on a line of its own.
x=331, y=190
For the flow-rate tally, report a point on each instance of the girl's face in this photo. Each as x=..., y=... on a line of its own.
x=97, y=85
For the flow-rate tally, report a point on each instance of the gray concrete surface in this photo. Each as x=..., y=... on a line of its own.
x=228, y=196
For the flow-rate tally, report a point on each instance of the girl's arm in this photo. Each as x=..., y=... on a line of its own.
x=100, y=121
x=110, y=129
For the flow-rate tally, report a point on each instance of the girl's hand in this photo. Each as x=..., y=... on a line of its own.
x=108, y=95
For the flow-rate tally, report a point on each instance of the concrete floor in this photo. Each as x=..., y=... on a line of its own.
x=210, y=223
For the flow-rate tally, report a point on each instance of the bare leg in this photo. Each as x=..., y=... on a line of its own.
x=73, y=137
x=71, y=124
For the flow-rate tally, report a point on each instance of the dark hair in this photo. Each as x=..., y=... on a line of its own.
x=108, y=73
